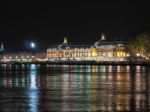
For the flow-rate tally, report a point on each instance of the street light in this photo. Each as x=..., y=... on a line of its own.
x=32, y=45
x=137, y=54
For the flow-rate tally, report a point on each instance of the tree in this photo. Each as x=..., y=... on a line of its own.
x=140, y=44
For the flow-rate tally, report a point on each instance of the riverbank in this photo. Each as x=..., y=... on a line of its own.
x=84, y=63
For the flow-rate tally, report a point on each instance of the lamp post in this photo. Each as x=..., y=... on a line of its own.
x=32, y=45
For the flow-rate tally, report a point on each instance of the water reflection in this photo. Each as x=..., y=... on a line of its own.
x=33, y=92
x=74, y=88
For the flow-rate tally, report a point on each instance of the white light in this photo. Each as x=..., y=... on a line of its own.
x=128, y=55
x=33, y=45
x=33, y=81
x=137, y=54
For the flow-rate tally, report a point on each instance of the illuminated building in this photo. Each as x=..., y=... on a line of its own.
x=40, y=56
x=69, y=52
x=102, y=50
x=22, y=57
x=17, y=57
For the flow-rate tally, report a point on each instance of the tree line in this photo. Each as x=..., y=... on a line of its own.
x=139, y=44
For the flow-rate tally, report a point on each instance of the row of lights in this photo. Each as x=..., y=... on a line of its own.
x=18, y=57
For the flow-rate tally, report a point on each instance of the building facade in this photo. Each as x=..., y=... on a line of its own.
x=22, y=57
x=101, y=50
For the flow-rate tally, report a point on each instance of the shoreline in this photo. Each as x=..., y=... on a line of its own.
x=82, y=63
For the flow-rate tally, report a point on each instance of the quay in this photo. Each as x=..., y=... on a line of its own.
x=147, y=63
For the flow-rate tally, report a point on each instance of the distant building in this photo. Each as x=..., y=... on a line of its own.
x=22, y=57
x=40, y=56
x=102, y=50
x=17, y=57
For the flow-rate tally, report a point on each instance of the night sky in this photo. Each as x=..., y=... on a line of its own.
x=46, y=23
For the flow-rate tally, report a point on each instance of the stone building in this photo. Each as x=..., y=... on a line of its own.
x=102, y=50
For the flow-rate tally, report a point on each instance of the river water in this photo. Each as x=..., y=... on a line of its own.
x=69, y=88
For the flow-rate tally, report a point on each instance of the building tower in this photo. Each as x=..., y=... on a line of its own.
x=103, y=37
x=65, y=40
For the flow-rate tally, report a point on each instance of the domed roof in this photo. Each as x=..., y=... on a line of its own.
x=64, y=45
x=103, y=42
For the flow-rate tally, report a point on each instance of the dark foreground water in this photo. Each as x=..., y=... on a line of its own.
x=34, y=88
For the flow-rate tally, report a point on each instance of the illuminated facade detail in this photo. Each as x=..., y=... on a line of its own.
x=22, y=57
x=102, y=50
x=65, y=40
x=103, y=37
x=18, y=57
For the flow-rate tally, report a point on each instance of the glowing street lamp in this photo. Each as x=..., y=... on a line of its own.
x=137, y=54
x=128, y=55
x=32, y=45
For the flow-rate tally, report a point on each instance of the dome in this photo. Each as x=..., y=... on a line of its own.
x=102, y=42
x=64, y=45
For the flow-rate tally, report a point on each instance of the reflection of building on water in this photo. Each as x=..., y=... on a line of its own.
x=102, y=50
x=105, y=88
x=122, y=87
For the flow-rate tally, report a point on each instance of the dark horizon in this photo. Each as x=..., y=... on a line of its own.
x=82, y=22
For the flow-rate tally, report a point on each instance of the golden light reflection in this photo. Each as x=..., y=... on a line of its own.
x=94, y=93
x=138, y=68
x=104, y=88
x=122, y=102
x=138, y=82
x=94, y=68
x=122, y=81
x=110, y=68
x=127, y=68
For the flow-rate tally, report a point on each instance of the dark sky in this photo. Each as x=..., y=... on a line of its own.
x=47, y=23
